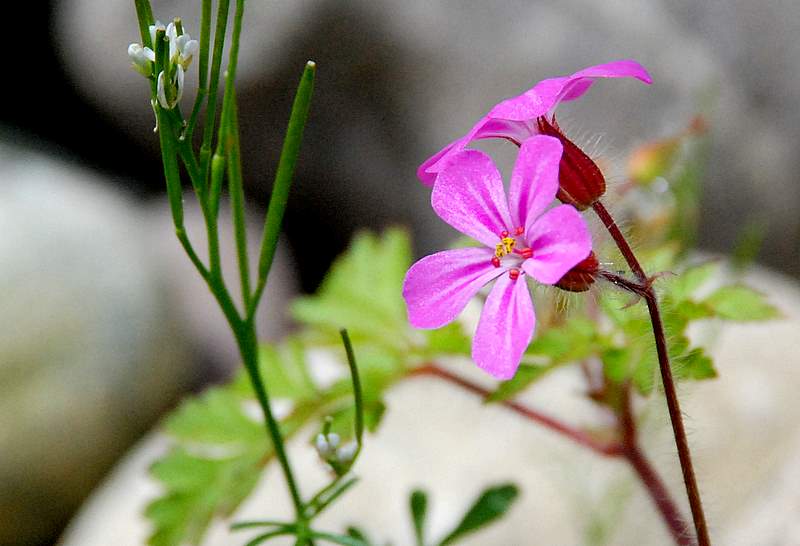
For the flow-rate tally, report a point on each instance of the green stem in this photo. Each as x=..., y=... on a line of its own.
x=202, y=86
x=230, y=128
x=357, y=393
x=213, y=85
x=144, y=13
x=246, y=340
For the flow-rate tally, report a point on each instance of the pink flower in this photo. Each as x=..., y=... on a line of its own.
x=515, y=119
x=520, y=237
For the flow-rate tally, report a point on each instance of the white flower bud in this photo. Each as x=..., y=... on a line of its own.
x=161, y=93
x=186, y=48
x=153, y=28
x=323, y=447
x=346, y=453
x=142, y=58
x=179, y=76
x=333, y=440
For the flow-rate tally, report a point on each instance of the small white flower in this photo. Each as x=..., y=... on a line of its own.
x=170, y=80
x=186, y=48
x=142, y=59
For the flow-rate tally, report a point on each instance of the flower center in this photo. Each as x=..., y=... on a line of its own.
x=512, y=246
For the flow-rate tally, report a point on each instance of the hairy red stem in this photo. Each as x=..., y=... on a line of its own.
x=673, y=405
x=614, y=449
x=652, y=481
x=627, y=448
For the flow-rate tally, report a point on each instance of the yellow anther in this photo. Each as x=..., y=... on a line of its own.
x=505, y=246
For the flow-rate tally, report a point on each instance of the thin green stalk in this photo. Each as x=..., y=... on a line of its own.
x=248, y=347
x=217, y=173
x=205, y=43
x=186, y=153
x=202, y=87
x=213, y=84
x=357, y=393
x=283, y=179
x=144, y=13
x=171, y=170
x=236, y=190
x=195, y=259
x=211, y=212
x=288, y=530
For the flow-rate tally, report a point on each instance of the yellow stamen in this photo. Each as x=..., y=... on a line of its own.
x=505, y=246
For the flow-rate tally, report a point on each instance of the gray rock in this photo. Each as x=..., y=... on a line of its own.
x=397, y=80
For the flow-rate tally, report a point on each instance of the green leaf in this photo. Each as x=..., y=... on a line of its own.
x=740, y=303
x=216, y=417
x=285, y=370
x=199, y=488
x=661, y=258
x=359, y=534
x=748, y=244
x=285, y=172
x=695, y=365
x=566, y=343
x=362, y=293
x=419, y=506
x=687, y=311
x=449, y=339
x=491, y=505
x=526, y=375
x=217, y=459
x=634, y=362
x=683, y=286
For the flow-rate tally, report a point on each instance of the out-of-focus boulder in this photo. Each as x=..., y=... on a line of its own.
x=103, y=325
x=90, y=346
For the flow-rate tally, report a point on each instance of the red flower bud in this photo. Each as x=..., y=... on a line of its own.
x=582, y=276
x=580, y=181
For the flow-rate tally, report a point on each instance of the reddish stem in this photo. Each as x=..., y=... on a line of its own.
x=614, y=449
x=652, y=481
x=627, y=448
x=646, y=290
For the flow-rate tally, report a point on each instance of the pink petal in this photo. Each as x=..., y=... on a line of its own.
x=485, y=128
x=512, y=118
x=428, y=171
x=439, y=286
x=469, y=196
x=559, y=240
x=532, y=103
x=534, y=181
x=546, y=94
x=505, y=328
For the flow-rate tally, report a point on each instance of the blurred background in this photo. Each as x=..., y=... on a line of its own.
x=103, y=324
